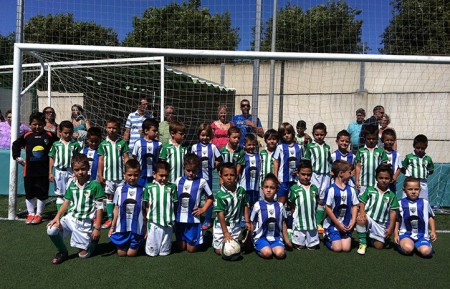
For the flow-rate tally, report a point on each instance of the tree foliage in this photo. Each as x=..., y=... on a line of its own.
x=63, y=29
x=7, y=48
x=183, y=26
x=325, y=28
x=418, y=27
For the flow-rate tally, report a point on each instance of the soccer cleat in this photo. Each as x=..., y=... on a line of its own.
x=29, y=219
x=60, y=257
x=37, y=220
x=362, y=249
x=107, y=224
x=320, y=229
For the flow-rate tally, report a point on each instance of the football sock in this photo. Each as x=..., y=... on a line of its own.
x=361, y=234
x=40, y=207
x=59, y=202
x=31, y=204
x=109, y=209
x=319, y=214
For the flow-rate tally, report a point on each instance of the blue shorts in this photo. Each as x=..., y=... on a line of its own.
x=189, y=233
x=335, y=235
x=263, y=242
x=283, y=191
x=127, y=240
x=417, y=243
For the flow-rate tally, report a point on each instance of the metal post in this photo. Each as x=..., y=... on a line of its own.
x=280, y=109
x=49, y=85
x=272, y=67
x=255, y=89
x=162, y=90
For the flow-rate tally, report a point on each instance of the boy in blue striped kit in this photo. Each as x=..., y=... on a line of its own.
x=389, y=137
x=249, y=169
x=93, y=138
x=342, y=153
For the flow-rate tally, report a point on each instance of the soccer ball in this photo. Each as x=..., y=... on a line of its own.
x=231, y=250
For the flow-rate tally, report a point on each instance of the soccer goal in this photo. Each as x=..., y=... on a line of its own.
x=312, y=87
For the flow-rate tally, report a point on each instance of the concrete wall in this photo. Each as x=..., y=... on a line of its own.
x=61, y=103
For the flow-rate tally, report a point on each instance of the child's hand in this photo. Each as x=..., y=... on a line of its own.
x=110, y=232
x=249, y=226
x=358, y=186
x=397, y=239
x=227, y=237
x=54, y=223
x=95, y=234
x=101, y=179
x=433, y=236
x=388, y=232
x=50, y=177
x=197, y=211
x=341, y=227
x=288, y=245
x=350, y=226
x=21, y=161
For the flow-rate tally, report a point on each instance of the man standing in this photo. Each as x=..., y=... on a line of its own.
x=133, y=125
x=164, y=134
x=354, y=128
x=244, y=122
x=378, y=112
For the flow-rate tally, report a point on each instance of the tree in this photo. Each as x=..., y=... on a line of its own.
x=418, y=27
x=62, y=29
x=185, y=26
x=7, y=48
x=325, y=28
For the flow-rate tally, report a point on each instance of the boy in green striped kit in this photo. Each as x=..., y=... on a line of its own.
x=419, y=165
x=60, y=158
x=232, y=152
x=368, y=158
x=271, y=139
x=377, y=207
x=113, y=154
x=161, y=198
x=173, y=152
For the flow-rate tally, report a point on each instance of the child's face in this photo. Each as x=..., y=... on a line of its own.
x=93, y=142
x=319, y=136
x=112, y=129
x=178, y=136
x=383, y=180
x=229, y=177
x=269, y=189
x=190, y=171
x=233, y=139
x=343, y=142
x=151, y=132
x=250, y=146
x=388, y=141
x=371, y=140
x=345, y=175
x=271, y=143
x=37, y=126
x=80, y=171
x=161, y=176
x=301, y=130
x=204, y=137
x=412, y=190
x=304, y=176
x=131, y=176
x=66, y=133
x=288, y=137
x=420, y=148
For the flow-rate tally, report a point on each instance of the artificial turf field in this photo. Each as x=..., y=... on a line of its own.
x=26, y=254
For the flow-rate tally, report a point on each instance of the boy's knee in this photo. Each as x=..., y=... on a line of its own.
x=266, y=253
x=378, y=245
x=279, y=254
x=217, y=251
x=53, y=231
x=408, y=250
x=121, y=253
x=425, y=251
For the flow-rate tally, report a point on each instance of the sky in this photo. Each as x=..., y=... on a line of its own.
x=118, y=14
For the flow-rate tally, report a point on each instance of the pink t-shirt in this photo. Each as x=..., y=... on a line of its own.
x=220, y=135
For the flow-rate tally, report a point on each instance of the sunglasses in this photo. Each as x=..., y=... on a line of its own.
x=245, y=105
x=48, y=111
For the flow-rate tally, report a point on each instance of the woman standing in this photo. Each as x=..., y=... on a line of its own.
x=50, y=120
x=5, y=131
x=80, y=123
x=220, y=128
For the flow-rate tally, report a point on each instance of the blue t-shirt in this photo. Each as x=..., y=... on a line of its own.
x=239, y=121
x=354, y=129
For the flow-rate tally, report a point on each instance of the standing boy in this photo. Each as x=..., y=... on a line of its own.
x=342, y=153
x=232, y=152
x=93, y=139
x=113, y=153
x=389, y=137
x=249, y=168
x=60, y=157
x=173, y=152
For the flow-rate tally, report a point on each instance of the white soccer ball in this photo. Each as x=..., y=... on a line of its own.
x=231, y=250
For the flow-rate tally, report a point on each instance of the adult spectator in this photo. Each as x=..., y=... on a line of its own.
x=384, y=124
x=5, y=131
x=164, y=134
x=374, y=120
x=133, y=125
x=2, y=118
x=50, y=120
x=244, y=122
x=220, y=128
x=80, y=123
x=354, y=128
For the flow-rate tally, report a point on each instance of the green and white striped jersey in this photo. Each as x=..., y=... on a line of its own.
x=320, y=157
x=161, y=199
x=82, y=199
x=379, y=204
x=174, y=155
x=63, y=152
x=113, y=152
x=370, y=159
x=231, y=204
x=232, y=157
x=418, y=167
x=266, y=163
x=305, y=200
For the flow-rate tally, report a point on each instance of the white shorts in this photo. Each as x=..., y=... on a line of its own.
x=159, y=240
x=234, y=229
x=62, y=180
x=308, y=238
x=111, y=186
x=322, y=182
x=423, y=190
x=81, y=231
x=376, y=231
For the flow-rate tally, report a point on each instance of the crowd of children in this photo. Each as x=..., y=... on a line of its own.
x=286, y=195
